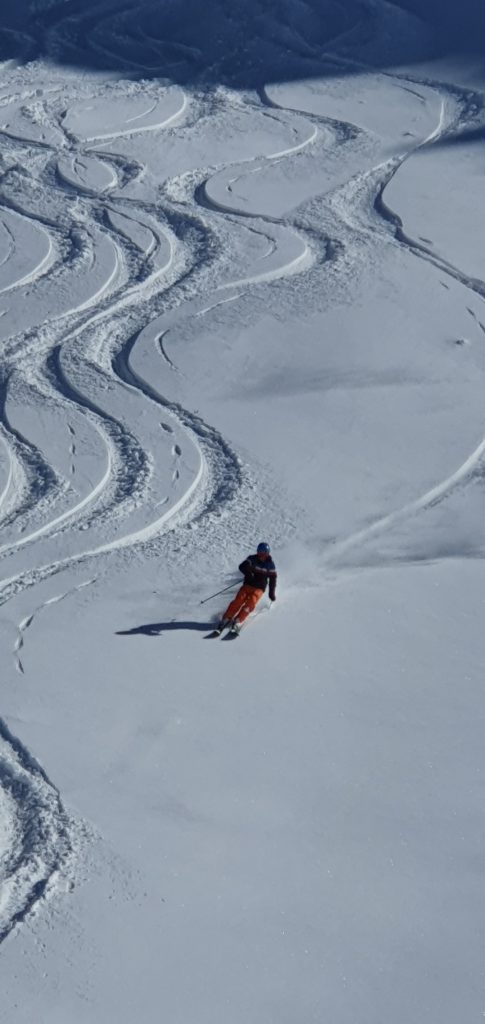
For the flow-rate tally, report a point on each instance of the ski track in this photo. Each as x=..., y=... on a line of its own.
x=471, y=468
x=140, y=251
x=375, y=182
x=42, y=838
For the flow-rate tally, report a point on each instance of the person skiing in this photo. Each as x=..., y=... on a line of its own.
x=258, y=570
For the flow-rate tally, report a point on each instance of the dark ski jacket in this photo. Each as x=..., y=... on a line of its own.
x=258, y=573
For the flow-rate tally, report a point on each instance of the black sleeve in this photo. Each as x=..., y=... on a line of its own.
x=246, y=567
x=272, y=583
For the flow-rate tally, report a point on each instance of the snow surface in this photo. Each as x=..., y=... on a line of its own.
x=242, y=295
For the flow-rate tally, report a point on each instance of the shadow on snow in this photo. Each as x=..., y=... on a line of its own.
x=244, y=43
x=158, y=628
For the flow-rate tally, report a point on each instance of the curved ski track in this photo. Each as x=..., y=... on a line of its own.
x=72, y=359
x=40, y=835
x=73, y=201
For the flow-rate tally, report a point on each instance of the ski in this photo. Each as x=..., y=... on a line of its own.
x=229, y=627
x=232, y=634
x=218, y=631
x=235, y=630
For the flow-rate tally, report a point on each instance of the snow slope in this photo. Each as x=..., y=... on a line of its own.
x=241, y=298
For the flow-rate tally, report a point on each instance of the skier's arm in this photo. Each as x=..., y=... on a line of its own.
x=273, y=576
x=247, y=569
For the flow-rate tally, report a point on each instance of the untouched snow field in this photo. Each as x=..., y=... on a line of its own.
x=242, y=297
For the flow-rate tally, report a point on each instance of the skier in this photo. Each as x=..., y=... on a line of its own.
x=258, y=570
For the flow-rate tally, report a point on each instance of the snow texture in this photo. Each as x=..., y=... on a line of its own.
x=242, y=297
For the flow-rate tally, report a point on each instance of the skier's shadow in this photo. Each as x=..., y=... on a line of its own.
x=158, y=628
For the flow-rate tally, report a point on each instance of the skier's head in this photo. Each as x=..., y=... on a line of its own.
x=263, y=550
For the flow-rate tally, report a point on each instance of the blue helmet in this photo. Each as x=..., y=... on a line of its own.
x=263, y=548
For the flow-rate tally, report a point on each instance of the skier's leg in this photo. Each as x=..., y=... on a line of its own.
x=251, y=599
x=236, y=604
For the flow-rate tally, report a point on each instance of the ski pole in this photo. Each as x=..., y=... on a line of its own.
x=231, y=585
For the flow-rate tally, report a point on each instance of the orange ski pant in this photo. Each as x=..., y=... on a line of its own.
x=243, y=604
